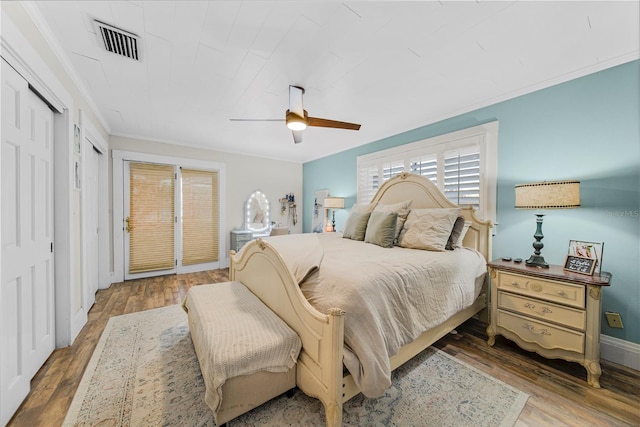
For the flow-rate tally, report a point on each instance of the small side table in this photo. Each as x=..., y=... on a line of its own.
x=554, y=312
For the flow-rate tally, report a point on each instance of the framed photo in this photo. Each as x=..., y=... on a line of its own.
x=579, y=264
x=319, y=213
x=591, y=250
x=76, y=139
x=76, y=174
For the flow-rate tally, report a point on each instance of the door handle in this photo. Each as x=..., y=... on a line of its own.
x=128, y=227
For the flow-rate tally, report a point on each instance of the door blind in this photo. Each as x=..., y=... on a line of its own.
x=151, y=218
x=199, y=216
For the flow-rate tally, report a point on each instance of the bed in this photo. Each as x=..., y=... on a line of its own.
x=266, y=268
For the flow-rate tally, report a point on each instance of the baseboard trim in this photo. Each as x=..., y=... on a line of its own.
x=619, y=351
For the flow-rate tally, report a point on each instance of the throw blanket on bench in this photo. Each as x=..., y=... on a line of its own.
x=234, y=334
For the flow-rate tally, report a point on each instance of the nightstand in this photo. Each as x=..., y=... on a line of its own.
x=554, y=312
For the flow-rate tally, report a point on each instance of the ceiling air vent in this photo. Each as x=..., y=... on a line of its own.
x=119, y=41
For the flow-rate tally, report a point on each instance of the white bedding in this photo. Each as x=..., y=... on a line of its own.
x=390, y=295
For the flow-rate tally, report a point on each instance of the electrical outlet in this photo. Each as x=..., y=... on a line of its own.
x=614, y=319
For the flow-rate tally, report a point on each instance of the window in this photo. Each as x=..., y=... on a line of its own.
x=463, y=165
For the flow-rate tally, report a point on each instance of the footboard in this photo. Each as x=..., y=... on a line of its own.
x=319, y=372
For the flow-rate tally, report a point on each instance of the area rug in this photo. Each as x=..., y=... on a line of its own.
x=144, y=372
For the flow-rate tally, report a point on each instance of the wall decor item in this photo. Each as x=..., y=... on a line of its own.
x=76, y=174
x=317, y=225
x=592, y=250
x=580, y=264
x=76, y=139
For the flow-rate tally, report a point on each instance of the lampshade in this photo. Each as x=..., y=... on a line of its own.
x=548, y=195
x=334, y=202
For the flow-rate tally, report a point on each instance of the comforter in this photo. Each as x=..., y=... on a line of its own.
x=390, y=295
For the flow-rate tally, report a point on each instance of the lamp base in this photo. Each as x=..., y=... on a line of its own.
x=537, y=261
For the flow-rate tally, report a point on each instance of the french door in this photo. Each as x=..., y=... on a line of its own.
x=171, y=219
x=27, y=329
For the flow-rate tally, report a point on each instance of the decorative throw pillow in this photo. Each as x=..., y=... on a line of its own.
x=467, y=224
x=356, y=225
x=428, y=229
x=381, y=229
x=402, y=209
x=363, y=208
x=455, y=234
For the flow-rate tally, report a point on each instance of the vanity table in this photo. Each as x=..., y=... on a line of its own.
x=239, y=238
x=256, y=221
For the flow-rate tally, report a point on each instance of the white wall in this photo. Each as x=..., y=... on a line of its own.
x=245, y=174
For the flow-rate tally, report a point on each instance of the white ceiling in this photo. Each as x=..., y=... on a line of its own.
x=391, y=66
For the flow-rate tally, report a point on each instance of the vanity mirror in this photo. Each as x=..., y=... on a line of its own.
x=257, y=214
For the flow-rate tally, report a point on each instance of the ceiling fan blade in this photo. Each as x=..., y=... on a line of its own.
x=297, y=136
x=256, y=120
x=326, y=123
x=295, y=100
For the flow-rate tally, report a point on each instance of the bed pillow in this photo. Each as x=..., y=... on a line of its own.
x=402, y=209
x=428, y=229
x=356, y=225
x=454, y=237
x=363, y=207
x=381, y=229
x=467, y=224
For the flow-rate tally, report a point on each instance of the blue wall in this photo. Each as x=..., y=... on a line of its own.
x=586, y=129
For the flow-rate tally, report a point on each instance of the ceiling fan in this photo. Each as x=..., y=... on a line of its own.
x=297, y=119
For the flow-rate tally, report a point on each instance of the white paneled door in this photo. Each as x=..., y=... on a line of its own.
x=26, y=203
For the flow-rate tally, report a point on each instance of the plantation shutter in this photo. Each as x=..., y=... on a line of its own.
x=462, y=177
x=391, y=169
x=368, y=182
x=426, y=166
x=151, y=218
x=199, y=216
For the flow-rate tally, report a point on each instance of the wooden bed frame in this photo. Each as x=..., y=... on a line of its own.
x=320, y=367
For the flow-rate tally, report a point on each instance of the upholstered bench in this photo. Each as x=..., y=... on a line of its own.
x=247, y=354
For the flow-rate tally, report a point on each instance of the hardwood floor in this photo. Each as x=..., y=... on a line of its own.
x=558, y=389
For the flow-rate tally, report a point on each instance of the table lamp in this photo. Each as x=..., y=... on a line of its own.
x=334, y=203
x=546, y=195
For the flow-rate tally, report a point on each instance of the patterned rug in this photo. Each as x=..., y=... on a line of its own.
x=144, y=372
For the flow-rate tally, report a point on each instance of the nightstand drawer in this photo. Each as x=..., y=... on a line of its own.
x=543, y=334
x=543, y=310
x=563, y=293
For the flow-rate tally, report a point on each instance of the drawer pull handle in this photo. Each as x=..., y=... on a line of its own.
x=514, y=283
x=562, y=294
x=542, y=311
x=533, y=330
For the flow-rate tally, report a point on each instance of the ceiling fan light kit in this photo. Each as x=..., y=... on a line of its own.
x=297, y=119
x=295, y=122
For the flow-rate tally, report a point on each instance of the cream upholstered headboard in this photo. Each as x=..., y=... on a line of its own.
x=425, y=194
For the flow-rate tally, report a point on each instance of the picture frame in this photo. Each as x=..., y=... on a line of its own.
x=580, y=264
x=591, y=250
x=76, y=175
x=76, y=139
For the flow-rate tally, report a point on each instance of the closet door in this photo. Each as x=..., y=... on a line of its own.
x=150, y=232
x=26, y=288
